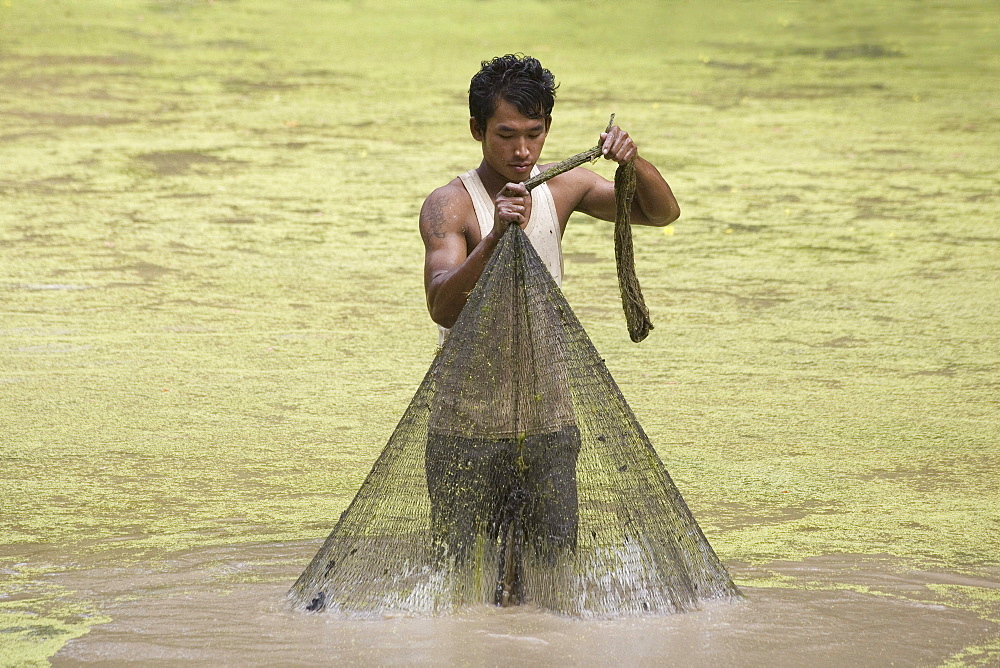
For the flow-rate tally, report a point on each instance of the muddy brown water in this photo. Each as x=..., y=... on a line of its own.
x=227, y=606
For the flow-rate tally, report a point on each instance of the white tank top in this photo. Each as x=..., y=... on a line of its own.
x=543, y=227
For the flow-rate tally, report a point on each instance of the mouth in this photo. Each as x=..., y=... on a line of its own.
x=521, y=169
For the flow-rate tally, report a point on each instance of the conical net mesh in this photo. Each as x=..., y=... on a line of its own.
x=518, y=474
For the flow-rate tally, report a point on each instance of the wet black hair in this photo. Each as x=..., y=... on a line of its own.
x=516, y=78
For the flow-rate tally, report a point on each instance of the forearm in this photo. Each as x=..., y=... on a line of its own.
x=654, y=202
x=449, y=290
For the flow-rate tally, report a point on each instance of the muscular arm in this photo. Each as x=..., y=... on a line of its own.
x=450, y=269
x=654, y=202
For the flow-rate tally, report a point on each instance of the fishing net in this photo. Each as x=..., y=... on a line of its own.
x=517, y=474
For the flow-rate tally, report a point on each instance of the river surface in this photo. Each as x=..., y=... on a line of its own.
x=227, y=606
x=212, y=316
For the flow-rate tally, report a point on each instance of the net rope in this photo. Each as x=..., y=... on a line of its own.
x=636, y=313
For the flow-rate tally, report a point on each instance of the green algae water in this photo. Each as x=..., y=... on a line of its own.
x=212, y=313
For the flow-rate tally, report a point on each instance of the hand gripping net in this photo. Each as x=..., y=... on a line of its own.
x=518, y=474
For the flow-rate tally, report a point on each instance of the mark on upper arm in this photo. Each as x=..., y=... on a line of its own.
x=434, y=215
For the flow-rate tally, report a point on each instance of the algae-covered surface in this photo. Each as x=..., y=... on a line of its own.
x=211, y=312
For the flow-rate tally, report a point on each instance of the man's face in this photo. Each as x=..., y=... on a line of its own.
x=512, y=142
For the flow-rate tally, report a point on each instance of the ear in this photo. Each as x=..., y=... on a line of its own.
x=548, y=123
x=477, y=133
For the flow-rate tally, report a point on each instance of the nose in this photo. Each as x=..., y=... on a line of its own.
x=521, y=150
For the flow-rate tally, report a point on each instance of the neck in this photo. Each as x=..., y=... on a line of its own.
x=492, y=180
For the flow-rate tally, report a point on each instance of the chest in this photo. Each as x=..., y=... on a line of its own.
x=560, y=204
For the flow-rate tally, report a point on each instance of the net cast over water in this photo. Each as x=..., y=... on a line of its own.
x=517, y=474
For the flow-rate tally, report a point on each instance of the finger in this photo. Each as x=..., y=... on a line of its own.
x=512, y=220
x=622, y=141
x=608, y=139
x=624, y=149
x=510, y=210
x=613, y=145
x=515, y=190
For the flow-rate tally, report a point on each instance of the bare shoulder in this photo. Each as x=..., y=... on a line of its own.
x=577, y=180
x=445, y=211
x=571, y=190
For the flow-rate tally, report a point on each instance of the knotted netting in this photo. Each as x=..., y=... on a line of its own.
x=517, y=474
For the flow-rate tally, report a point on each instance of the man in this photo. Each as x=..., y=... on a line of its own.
x=510, y=101
x=485, y=478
